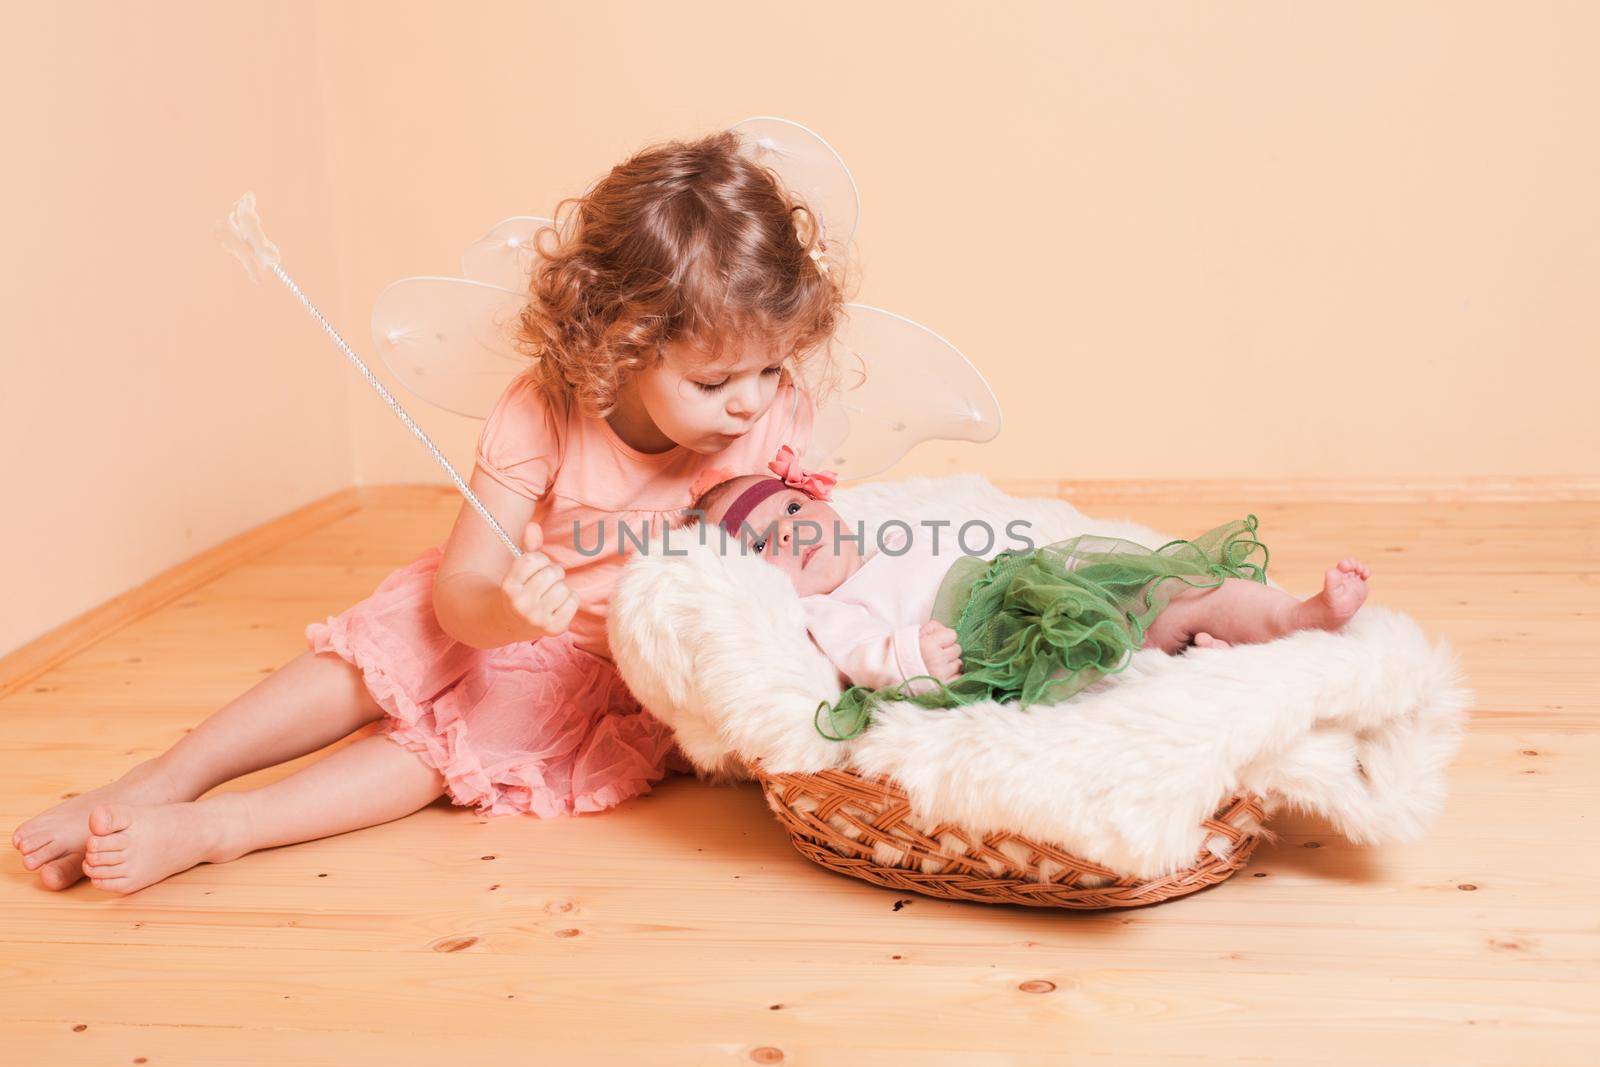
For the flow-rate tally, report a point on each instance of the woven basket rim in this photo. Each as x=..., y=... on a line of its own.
x=817, y=808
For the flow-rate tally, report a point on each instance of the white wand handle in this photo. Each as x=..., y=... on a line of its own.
x=242, y=235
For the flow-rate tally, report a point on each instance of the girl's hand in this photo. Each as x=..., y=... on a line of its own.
x=940, y=652
x=532, y=591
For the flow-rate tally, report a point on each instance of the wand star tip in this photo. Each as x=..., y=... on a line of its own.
x=242, y=235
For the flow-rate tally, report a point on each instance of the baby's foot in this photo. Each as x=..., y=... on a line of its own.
x=52, y=842
x=1205, y=640
x=1344, y=590
x=132, y=845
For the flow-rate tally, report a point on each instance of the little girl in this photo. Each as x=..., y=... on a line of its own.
x=902, y=622
x=666, y=326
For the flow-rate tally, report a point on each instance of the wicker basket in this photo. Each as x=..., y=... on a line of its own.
x=864, y=828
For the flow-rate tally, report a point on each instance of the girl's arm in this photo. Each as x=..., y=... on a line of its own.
x=466, y=591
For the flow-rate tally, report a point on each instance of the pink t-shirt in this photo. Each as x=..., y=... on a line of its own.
x=588, y=484
x=869, y=625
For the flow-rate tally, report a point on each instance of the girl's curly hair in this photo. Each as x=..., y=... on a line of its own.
x=684, y=241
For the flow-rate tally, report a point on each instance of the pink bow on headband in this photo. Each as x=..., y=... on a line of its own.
x=816, y=484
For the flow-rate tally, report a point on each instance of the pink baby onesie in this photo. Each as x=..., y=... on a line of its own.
x=869, y=625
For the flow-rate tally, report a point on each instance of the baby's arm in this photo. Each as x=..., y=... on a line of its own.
x=871, y=652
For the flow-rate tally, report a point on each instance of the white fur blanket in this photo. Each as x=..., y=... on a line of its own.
x=1356, y=727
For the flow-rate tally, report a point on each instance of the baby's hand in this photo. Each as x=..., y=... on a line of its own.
x=532, y=591
x=940, y=653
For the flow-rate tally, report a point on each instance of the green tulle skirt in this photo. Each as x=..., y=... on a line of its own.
x=1040, y=625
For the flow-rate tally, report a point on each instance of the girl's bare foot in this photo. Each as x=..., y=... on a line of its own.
x=52, y=842
x=1344, y=590
x=133, y=845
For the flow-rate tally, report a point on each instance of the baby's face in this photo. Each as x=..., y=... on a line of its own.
x=797, y=534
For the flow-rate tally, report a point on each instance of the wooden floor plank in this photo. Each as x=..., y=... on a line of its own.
x=683, y=928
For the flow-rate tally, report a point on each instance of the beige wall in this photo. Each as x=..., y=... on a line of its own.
x=154, y=402
x=1190, y=240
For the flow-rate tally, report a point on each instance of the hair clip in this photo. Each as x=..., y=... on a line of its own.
x=821, y=261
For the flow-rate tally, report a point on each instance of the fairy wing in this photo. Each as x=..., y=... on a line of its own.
x=504, y=256
x=900, y=384
x=448, y=340
x=810, y=167
x=451, y=341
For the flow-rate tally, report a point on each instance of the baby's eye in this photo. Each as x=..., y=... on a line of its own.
x=711, y=387
x=774, y=370
x=759, y=546
x=794, y=506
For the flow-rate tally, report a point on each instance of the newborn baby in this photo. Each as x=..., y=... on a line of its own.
x=871, y=614
x=1049, y=620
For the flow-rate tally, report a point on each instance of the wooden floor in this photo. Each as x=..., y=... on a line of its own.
x=682, y=928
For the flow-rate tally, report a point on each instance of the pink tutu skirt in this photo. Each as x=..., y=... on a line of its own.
x=540, y=726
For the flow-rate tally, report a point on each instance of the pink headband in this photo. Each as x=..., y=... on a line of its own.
x=815, y=484
x=747, y=502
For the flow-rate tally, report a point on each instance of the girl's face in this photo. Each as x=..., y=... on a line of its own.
x=797, y=534
x=706, y=406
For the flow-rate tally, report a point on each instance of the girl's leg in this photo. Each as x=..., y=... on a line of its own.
x=1245, y=612
x=368, y=782
x=309, y=703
